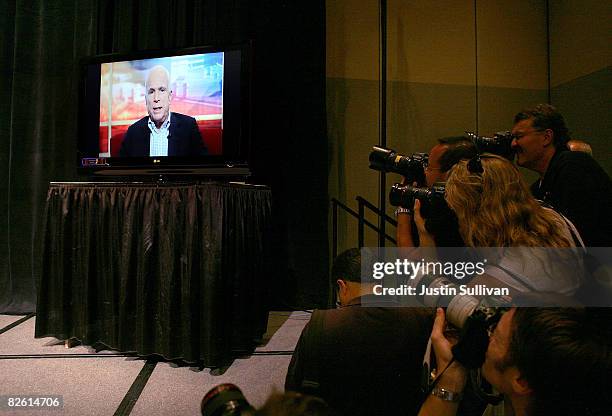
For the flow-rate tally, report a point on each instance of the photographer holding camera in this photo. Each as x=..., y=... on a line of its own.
x=442, y=157
x=545, y=361
x=572, y=182
x=363, y=358
x=494, y=208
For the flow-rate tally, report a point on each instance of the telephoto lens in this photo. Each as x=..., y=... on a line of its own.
x=226, y=400
x=388, y=160
x=404, y=196
x=500, y=144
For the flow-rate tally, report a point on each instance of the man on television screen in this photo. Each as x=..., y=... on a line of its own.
x=162, y=133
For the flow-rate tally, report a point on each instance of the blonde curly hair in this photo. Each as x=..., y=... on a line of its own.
x=496, y=209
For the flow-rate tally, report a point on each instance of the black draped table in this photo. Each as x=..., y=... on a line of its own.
x=171, y=269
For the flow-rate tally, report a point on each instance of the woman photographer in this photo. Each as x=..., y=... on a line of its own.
x=494, y=208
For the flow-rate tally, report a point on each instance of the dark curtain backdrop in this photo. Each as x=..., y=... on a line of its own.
x=40, y=47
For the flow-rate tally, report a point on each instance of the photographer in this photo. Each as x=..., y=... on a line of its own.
x=572, y=182
x=495, y=209
x=545, y=361
x=365, y=357
x=442, y=157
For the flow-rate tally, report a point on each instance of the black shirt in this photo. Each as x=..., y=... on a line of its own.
x=576, y=186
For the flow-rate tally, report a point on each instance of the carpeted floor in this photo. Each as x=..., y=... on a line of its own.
x=103, y=383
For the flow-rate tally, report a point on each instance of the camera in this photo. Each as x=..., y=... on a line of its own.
x=475, y=317
x=478, y=324
x=440, y=220
x=499, y=144
x=431, y=198
x=388, y=160
x=226, y=400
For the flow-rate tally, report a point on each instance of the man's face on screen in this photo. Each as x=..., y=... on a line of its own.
x=158, y=96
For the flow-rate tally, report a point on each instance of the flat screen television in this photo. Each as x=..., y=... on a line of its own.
x=180, y=112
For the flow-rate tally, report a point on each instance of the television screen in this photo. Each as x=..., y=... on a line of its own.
x=171, y=111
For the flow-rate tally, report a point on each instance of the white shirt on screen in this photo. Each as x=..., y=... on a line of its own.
x=159, y=138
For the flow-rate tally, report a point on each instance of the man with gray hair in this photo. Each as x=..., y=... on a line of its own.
x=162, y=133
x=572, y=182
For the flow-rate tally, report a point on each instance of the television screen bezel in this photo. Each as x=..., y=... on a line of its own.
x=236, y=150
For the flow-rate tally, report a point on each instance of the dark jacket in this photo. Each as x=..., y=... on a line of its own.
x=576, y=186
x=184, y=138
x=367, y=359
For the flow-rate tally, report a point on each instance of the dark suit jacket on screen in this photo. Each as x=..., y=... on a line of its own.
x=184, y=138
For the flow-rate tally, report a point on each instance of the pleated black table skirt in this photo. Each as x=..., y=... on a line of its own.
x=175, y=270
